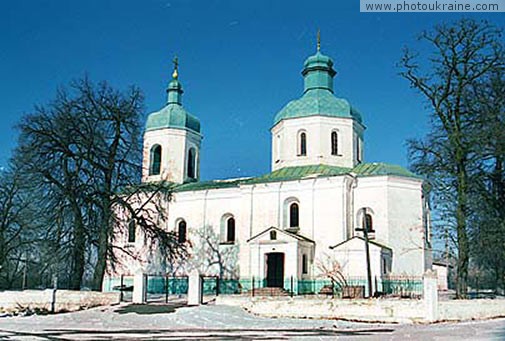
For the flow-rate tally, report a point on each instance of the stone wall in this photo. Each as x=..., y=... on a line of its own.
x=374, y=310
x=367, y=310
x=457, y=310
x=59, y=300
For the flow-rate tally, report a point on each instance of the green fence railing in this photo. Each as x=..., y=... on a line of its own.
x=401, y=286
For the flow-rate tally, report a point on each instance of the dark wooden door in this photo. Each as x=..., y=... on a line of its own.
x=275, y=269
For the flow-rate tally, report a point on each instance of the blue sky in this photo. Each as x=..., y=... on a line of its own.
x=240, y=63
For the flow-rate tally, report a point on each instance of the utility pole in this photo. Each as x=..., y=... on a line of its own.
x=367, y=253
x=25, y=273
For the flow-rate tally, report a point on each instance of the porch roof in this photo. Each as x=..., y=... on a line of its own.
x=287, y=233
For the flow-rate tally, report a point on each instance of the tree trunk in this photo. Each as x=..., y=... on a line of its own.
x=79, y=249
x=101, y=263
x=105, y=231
x=461, y=212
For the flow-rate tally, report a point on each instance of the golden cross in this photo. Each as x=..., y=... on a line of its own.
x=175, y=74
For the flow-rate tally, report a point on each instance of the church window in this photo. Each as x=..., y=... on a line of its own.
x=230, y=230
x=365, y=218
x=131, y=231
x=191, y=163
x=155, y=160
x=273, y=235
x=368, y=222
x=293, y=215
x=305, y=264
x=181, y=232
x=334, y=143
x=303, y=144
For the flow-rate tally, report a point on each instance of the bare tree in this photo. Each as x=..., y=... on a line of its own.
x=83, y=153
x=330, y=268
x=463, y=54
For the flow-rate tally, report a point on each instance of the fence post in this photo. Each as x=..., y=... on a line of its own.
x=292, y=292
x=121, y=289
x=252, y=286
x=195, y=288
x=430, y=295
x=146, y=281
x=217, y=285
x=166, y=288
x=139, y=288
x=376, y=289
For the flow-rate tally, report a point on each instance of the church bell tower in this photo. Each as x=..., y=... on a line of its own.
x=172, y=140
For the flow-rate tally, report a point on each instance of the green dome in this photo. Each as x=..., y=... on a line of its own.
x=318, y=98
x=318, y=59
x=173, y=115
x=318, y=102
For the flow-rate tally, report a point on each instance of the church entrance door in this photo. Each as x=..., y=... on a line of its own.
x=275, y=269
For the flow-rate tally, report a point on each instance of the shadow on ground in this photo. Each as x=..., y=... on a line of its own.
x=149, y=309
x=193, y=334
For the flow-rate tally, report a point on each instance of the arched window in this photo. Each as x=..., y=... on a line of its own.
x=334, y=143
x=365, y=219
x=181, y=232
x=273, y=235
x=131, y=231
x=368, y=223
x=294, y=215
x=191, y=163
x=155, y=160
x=303, y=144
x=230, y=230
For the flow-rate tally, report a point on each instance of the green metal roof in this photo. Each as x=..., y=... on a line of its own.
x=318, y=98
x=173, y=115
x=204, y=185
x=379, y=168
x=318, y=102
x=302, y=172
x=318, y=59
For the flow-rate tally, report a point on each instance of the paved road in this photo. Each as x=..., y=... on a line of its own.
x=210, y=322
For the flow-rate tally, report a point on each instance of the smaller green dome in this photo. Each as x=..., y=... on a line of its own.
x=318, y=59
x=174, y=85
x=173, y=115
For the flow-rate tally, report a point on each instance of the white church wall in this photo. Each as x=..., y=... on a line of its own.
x=175, y=144
x=405, y=226
x=371, y=193
x=397, y=219
x=285, y=142
x=328, y=215
x=395, y=204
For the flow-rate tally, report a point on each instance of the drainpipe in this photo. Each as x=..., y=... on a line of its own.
x=350, y=211
x=279, y=205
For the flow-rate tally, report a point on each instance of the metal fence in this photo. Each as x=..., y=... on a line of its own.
x=159, y=288
x=398, y=286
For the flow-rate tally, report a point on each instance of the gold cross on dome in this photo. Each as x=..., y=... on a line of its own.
x=175, y=74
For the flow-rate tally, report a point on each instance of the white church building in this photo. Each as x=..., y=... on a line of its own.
x=310, y=209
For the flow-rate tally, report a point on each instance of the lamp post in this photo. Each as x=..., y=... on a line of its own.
x=364, y=229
